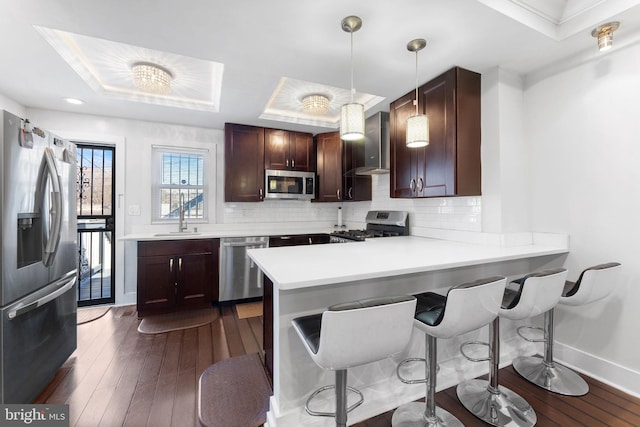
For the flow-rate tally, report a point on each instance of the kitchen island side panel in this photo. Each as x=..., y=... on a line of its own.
x=295, y=375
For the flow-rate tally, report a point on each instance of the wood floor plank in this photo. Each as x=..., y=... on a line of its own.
x=138, y=412
x=184, y=406
x=161, y=410
x=232, y=334
x=256, y=329
x=246, y=336
x=95, y=374
x=123, y=395
x=171, y=360
x=205, y=349
x=189, y=350
x=153, y=363
x=219, y=341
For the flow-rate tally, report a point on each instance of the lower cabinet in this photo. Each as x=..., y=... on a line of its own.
x=177, y=274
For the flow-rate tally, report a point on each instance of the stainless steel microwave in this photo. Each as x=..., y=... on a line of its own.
x=280, y=184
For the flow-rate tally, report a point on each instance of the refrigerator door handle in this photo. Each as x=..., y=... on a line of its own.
x=45, y=299
x=53, y=238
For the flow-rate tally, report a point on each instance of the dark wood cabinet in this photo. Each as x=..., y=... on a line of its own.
x=337, y=162
x=355, y=187
x=177, y=274
x=329, y=167
x=285, y=150
x=450, y=164
x=244, y=163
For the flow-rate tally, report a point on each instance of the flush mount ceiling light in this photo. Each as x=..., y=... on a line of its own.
x=352, y=114
x=106, y=67
x=315, y=104
x=151, y=78
x=604, y=34
x=417, y=125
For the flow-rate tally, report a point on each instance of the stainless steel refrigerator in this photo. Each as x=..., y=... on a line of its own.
x=38, y=258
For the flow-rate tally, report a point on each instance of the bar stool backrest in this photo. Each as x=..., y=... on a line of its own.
x=539, y=292
x=364, y=331
x=468, y=306
x=594, y=283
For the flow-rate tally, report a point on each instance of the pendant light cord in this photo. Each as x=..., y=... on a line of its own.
x=352, y=90
x=416, y=82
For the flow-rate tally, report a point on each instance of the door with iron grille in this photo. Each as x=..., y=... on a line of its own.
x=96, y=224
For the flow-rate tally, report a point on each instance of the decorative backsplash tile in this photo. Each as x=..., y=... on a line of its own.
x=450, y=213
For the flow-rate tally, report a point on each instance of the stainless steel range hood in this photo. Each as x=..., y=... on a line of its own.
x=376, y=145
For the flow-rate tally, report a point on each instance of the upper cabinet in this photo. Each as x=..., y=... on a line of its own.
x=285, y=150
x=249, y=150
x=450, y=164
x=337, y=161
x=244, y=163
x=329, y=167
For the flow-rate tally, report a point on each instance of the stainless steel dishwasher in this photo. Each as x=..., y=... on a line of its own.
x=240, y=277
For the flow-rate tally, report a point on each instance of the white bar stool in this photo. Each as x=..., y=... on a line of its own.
x=466, y=307
x=352, y=334
x=487, y=400
x=594, y=283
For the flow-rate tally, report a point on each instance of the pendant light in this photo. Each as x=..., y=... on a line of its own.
x=417, y=125
x=352, y=114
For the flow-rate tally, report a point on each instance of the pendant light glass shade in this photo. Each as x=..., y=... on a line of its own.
x=418, y=124
x=352, y=122
x=418, y=131
x=352, y=114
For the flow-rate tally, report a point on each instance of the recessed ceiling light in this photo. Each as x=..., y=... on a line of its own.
x=74, y=101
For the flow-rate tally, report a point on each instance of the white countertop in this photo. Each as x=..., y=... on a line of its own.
x=297, y=267
x=235, y=230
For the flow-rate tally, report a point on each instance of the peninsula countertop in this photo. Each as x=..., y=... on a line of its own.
x=298, y=267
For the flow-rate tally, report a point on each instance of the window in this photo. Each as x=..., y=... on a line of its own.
x=179, y=183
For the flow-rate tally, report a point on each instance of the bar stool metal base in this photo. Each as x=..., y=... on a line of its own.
x=502, y=408
x=413, y=415
x=552, y=376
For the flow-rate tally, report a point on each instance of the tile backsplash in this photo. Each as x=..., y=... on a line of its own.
x=450, y=213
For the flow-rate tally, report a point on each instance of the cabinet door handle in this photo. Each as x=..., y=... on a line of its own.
x=180, y=264
x=420, y=184
x=412, y=184
x=293, y=163
x=338, y=194
x=286, y=163
x=171, y=265
x=350, y=193
x=260, y=194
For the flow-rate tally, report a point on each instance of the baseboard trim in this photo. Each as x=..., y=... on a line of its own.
x=610, y=373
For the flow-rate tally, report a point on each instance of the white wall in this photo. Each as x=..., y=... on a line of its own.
x=582, y=134
x=11, y=106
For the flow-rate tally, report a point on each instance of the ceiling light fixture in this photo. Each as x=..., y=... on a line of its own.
x=151, y=78
x=315, y=104
x=74, y=101
x=352, y=114
x=604, y=34
x=417, y=125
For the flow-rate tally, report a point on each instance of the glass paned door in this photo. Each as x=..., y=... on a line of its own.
x=96, y=224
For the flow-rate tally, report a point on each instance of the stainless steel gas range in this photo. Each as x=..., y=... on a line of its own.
x=378, y=224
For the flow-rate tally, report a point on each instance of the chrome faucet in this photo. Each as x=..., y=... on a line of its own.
x=182, y=223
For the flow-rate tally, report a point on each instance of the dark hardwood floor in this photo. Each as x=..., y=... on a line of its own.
x=118, y=377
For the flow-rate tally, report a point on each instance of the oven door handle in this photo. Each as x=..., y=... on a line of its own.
x=45, y=299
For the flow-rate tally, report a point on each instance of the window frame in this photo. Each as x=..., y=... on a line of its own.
x=157, y=186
